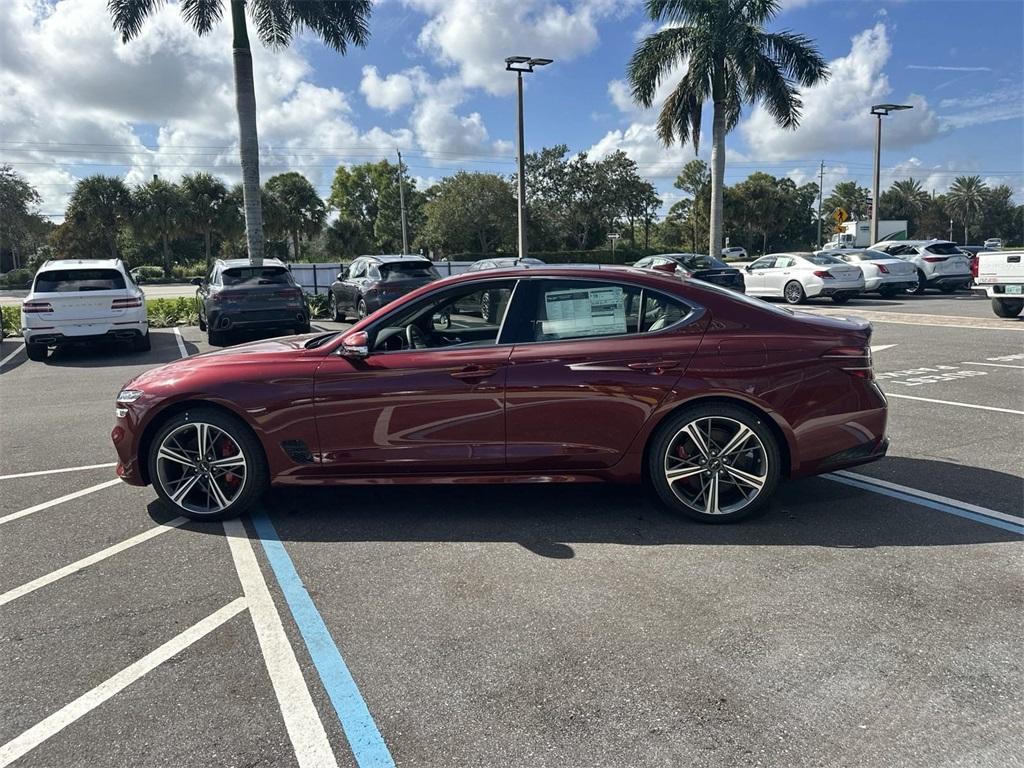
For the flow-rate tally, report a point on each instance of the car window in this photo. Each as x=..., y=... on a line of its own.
x=943, y=249
x=872, y=255
x=358, y=269
x=822, y=259
x=78, y=280
x=784, y=261
x=372, y=272
x=559, y=310
x=901, y=250
x=404, y=270
x=765, y=262
x=700, y=261
x=644, y=263
x=251, y=276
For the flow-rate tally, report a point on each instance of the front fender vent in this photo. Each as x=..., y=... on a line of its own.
x=298, y=451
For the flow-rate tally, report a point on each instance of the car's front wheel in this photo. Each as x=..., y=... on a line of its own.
x=207, y=465
x=715, y=463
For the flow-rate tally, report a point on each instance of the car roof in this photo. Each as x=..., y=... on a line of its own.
x=72, y=263
x=232, y=263
x=392, y=258
x=933, y=241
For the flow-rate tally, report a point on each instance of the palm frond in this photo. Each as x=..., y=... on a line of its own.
x=336, y=22
x=128, y=16
x=775, y=91
x=681, y=11
x=657, y=54
x=680, y=115
x=273, y=21
x=757, y=12
x=797, y=55
x=201, y=14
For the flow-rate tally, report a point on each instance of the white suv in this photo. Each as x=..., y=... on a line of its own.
x=79, y=300
x=939, y=263
x=734, y=252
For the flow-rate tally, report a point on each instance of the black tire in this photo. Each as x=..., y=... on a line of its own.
x=36, y=352
x=794, y=293
x=1007, y=307
x=332, y=306
x=217, y=338
x=142, y=343
x=886, y=292
x=202, y=323
x=948, y=288
x=361, y=310
x=665, y=439
x=918, y=289
x=257, y=475
x=841, y=298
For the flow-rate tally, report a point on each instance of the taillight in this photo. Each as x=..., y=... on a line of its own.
x=824, y=275
x=974, y=267
x=291, y=293
x=126, y=303
x=35, y=307
x=224, y=296
x=855, y=361
x=934, y=259
x=883, y=269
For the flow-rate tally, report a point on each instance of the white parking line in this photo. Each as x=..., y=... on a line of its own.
x=181, y=342
x=62, y=718
x=995, y=365
x=60, y=500
x=85, y=562
x=57, y=471
x=948, y=402
x=16, y=351
x=305, y=729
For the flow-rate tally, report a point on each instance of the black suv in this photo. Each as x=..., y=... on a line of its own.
x=370, y=282
x=236, y=296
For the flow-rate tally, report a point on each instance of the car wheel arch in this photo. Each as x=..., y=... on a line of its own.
x=780, y=431
x=171, y=410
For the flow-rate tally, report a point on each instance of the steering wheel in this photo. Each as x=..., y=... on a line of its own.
x=415, y=337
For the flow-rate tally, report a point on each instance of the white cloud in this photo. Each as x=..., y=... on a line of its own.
x=944, y=68
x=836, y=114
x=393, y=92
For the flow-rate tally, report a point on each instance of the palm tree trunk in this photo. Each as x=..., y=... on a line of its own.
x=295, y=244
x=717, y=179
x=113, y=246
x=245, y=104
x=209, y=248
x=167, y=256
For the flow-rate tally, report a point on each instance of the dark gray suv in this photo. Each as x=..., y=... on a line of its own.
x=370, y=282
x=236, y=296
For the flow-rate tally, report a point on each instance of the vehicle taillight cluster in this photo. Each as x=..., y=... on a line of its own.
x=824, y=275
x=221, y=296
x=126, y=303
x=290, y=293
x=855, y=361
x=883, y=269
x=35, y=307
x=934, y=259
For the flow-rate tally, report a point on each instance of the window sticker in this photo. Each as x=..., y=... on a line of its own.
x=584, y=312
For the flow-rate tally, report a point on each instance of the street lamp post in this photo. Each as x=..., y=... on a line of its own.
x=519, y=65
x=880, y=111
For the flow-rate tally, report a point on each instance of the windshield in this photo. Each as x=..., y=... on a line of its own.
x=699, y=261
x=75, y=280
x=404, y=270
x=944, y=249
x=257, y=276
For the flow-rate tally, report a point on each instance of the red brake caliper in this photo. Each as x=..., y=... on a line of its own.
x=227, y=449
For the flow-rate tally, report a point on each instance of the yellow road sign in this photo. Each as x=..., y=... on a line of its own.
x=840, y=215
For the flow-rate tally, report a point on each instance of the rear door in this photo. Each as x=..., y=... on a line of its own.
x=592, y=361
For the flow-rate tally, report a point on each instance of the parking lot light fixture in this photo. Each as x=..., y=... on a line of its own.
x=519, y=65
x=880, y=111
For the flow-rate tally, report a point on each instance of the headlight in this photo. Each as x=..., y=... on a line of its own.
x=129, y=395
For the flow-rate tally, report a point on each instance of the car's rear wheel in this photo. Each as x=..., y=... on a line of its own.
x=35, y=352
x=794, y=293
x=716, y=463
x=207, y=465
x=886, y=292
x=1007, y=307
x=841, y=298
x=921, y=282
x=217, y=338
x=202, y=323
x=361, y=309
x=948, y=288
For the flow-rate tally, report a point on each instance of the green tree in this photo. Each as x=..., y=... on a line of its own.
x=337, y=23
x=159, y=214
x=851, y=197
x=367, y=195
x=301, y=207
x=209, y=209
x=98, y=207
x=18, y=219
x=999, y=216
x=965, y=201
x=470, y=212
x=730, y=60
x=905, y=199
x=695, y=180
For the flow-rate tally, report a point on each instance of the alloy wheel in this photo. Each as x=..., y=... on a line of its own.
x=201, y=468
x=716, y=465
x=794, y=293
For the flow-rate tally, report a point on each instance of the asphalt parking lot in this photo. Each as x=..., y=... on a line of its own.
x=869, y=618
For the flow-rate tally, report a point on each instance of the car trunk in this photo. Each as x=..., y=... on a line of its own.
x=844, y=272
x=82, y=306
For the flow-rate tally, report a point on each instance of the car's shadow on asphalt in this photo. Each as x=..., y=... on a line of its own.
x=110, y=354
x=549, y=519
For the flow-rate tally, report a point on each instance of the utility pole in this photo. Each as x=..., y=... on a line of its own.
x=821, y=185
x=401, y=202
x=879, y=111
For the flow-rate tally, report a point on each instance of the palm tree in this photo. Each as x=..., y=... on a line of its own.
x=207, y=208
x=336, y=22
x=159, y=215
x=98, y=207
x=302, y=209
x=905, y=199
x=965, y=200
x=730, y=60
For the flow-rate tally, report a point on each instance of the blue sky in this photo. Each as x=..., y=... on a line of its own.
x=431, y=82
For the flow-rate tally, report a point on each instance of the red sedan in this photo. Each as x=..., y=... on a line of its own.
x=583, y=375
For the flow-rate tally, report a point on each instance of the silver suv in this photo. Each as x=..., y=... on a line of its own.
x=939, y=263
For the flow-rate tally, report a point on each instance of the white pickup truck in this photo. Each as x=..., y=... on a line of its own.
x=1001, y=277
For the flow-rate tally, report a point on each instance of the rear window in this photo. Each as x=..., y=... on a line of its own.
x=823, y=259
x=944, y=249
x=699, y=261
x=404, y=270
x=870, y=255
x=77, y=280
x=257, y=276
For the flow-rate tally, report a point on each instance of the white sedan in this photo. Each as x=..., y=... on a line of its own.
x=885, y=274
x=797, y=277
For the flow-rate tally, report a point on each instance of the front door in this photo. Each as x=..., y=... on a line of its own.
x=775, y=279
x=592, y=362
x=756, y=273
x=430, y=397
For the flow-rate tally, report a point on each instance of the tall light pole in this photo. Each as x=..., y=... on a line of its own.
x=880, y=111
x=519, y=65
x=401, y=203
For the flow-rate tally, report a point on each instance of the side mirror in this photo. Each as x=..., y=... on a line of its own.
x=749, y=268
x=356, y=345
x=197, y=281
